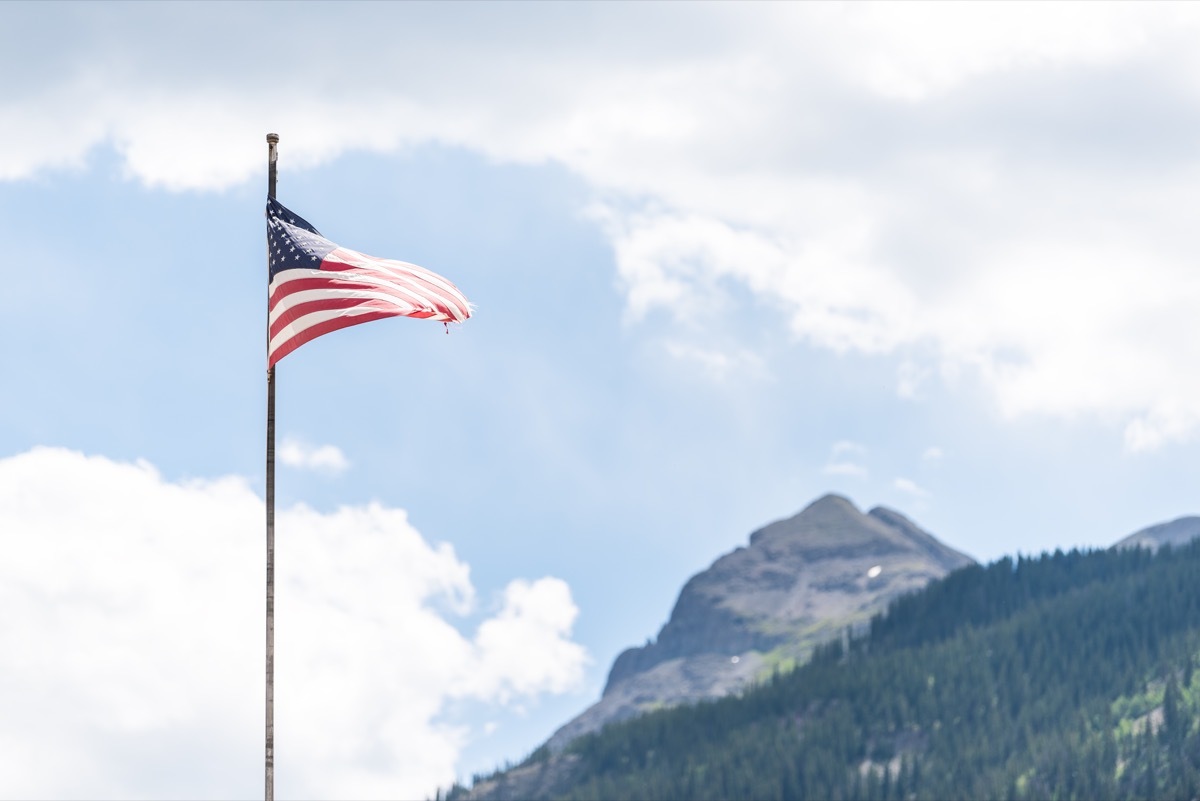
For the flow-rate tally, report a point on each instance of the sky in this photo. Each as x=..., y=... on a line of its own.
x=725, y=258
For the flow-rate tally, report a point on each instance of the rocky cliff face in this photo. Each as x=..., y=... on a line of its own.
x=799, y=582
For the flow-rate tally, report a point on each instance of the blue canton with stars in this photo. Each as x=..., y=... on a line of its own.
x=292, y=242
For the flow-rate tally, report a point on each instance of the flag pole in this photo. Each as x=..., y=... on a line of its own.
x=272, y=157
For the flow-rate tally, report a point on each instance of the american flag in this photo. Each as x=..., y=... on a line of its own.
x=317, y=287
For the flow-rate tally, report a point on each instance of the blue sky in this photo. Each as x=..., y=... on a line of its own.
x=725, y=259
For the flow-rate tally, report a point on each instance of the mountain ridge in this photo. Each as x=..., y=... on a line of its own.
x=797, y=582
x=1177, y=532
x=1069, y=674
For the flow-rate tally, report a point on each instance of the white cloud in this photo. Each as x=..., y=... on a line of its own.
x=910, y=487
x=718, y=363
x=845, y=446
x=990, y=191
x=915, y=50
x=844, y=469
x=521, y=652
x=1166, y=421
x=131, y=644
x=323, y=458
x=842, y=460
x=932, y=454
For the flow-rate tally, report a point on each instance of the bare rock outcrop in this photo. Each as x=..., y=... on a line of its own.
x=799, y=582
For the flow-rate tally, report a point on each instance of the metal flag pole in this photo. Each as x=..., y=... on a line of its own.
x=272, y=157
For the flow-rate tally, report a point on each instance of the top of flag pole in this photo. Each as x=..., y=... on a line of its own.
x=272, y=158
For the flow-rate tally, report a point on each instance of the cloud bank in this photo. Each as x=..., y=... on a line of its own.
x=988, y=192
x=322, y=458
x=132, y=641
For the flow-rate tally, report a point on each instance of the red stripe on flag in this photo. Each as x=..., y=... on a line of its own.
x=293, y=292
x=350, y=279
x=426, y=281
x=297, y=313
x=312, y=332
x=337, y=284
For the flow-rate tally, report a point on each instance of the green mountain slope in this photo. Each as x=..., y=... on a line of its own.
x=1064, y=676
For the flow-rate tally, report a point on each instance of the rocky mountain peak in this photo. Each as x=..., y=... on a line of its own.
x=830, y=517
x=798, y=582
x=833, y=525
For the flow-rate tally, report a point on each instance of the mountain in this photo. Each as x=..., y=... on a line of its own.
x=1175, y=533
x=1067, y=675
x=799, y=582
